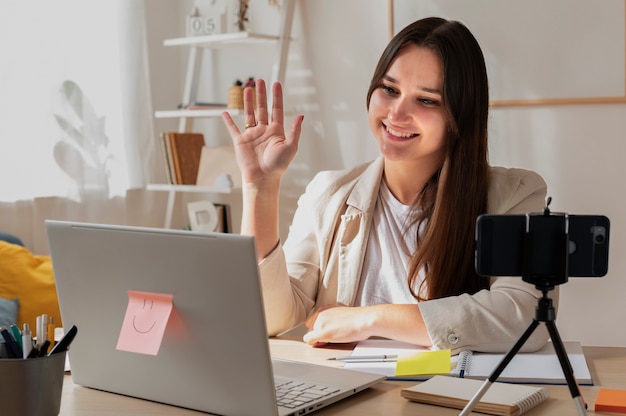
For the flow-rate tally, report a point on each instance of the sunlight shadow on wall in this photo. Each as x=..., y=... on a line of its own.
x=82, y=152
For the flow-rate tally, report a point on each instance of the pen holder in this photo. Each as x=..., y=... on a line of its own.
x=33, y=386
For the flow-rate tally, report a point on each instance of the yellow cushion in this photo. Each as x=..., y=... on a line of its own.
x=30, y=279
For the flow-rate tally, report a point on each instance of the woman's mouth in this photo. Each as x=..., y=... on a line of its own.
x=399, y=134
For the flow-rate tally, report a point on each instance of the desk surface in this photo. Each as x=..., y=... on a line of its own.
x=607, y=366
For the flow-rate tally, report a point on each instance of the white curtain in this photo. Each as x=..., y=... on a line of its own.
x=75, y=113
x=74, y=98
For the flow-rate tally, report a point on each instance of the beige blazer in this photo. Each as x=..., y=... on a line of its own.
x=320, y=262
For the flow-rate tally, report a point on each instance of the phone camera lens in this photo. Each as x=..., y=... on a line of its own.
x=599, y=234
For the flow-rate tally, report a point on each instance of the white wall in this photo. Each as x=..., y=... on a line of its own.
x=578, y=149
x=580, y=152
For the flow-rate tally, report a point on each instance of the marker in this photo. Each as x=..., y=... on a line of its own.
x=13, y=349
x=50, y=330
x=17, y=335
x=64, y=343
x=38, y=330
x=366, y=358
x=44, y=329
x=27, y=341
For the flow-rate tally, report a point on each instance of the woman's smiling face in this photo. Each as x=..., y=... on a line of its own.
x=406, y=113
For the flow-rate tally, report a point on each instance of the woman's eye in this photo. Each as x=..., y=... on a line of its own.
x=388, y=90
x=428, y=102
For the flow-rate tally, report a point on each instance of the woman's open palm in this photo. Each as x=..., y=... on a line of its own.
x=263, y=150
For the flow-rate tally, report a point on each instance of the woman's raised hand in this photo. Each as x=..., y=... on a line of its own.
x=263, y=150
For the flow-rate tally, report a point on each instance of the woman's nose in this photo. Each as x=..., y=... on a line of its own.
x=400, y=110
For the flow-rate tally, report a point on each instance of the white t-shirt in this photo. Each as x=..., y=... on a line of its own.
x=386, y=264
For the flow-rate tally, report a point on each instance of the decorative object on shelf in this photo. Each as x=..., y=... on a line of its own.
x=207, y=18
x=242, y=15
x=250, y=83
x=235, y=93
x=219, y=168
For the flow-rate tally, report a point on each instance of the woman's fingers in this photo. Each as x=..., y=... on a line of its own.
x=230, y=125
x=260, y=116
x=277, y=103
x=261, y=102
x=248, y=108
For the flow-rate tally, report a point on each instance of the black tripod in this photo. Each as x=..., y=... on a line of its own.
x=545, y=265
x=544, y=313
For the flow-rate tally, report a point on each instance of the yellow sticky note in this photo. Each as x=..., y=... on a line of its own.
x=427, y=362
x=145, y=322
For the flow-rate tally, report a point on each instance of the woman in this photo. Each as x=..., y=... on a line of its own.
x=387, y=248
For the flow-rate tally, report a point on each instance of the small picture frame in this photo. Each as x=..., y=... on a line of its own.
x=209, y=217
x=203, y=216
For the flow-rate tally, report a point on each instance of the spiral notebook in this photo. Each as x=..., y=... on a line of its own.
x=540, y=367
x=454, y=392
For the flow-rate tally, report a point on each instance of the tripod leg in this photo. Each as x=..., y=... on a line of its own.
x=499, y=369
x=566, y=366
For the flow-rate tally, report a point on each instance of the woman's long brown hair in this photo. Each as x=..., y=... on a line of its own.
x=448, y=205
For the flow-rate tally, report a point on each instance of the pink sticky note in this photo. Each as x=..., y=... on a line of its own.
x=145, y=322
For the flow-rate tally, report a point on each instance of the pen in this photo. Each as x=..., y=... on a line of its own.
x=44, y=348
x=34, y=352
x=13, y=349
x=27, y=341
x=366, y=358
x=64, y=343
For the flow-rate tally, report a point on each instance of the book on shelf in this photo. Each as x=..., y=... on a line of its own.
x=500, y=398
x=182, y=153
x=539, y=367
x=166, y=152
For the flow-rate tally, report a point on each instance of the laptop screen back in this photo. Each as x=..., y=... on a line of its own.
x=213, y=355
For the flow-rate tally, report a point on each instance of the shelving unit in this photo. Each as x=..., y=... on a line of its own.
x=199, y=45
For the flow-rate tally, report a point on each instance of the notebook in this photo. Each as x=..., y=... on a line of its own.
x=540, y=367
x=177, y=317
x=500, y=398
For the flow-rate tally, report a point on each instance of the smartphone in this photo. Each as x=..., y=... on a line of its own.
x=536, y=244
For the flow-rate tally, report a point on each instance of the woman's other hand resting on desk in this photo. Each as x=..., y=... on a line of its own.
x=341, y=324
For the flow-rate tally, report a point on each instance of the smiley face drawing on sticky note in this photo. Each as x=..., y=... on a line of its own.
x=145, y=322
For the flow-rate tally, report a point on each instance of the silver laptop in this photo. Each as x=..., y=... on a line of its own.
x=213, y=353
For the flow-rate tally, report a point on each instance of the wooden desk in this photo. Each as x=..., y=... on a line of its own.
x=607, y=366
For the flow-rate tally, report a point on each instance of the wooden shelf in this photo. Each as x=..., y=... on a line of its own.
x=221, y=39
